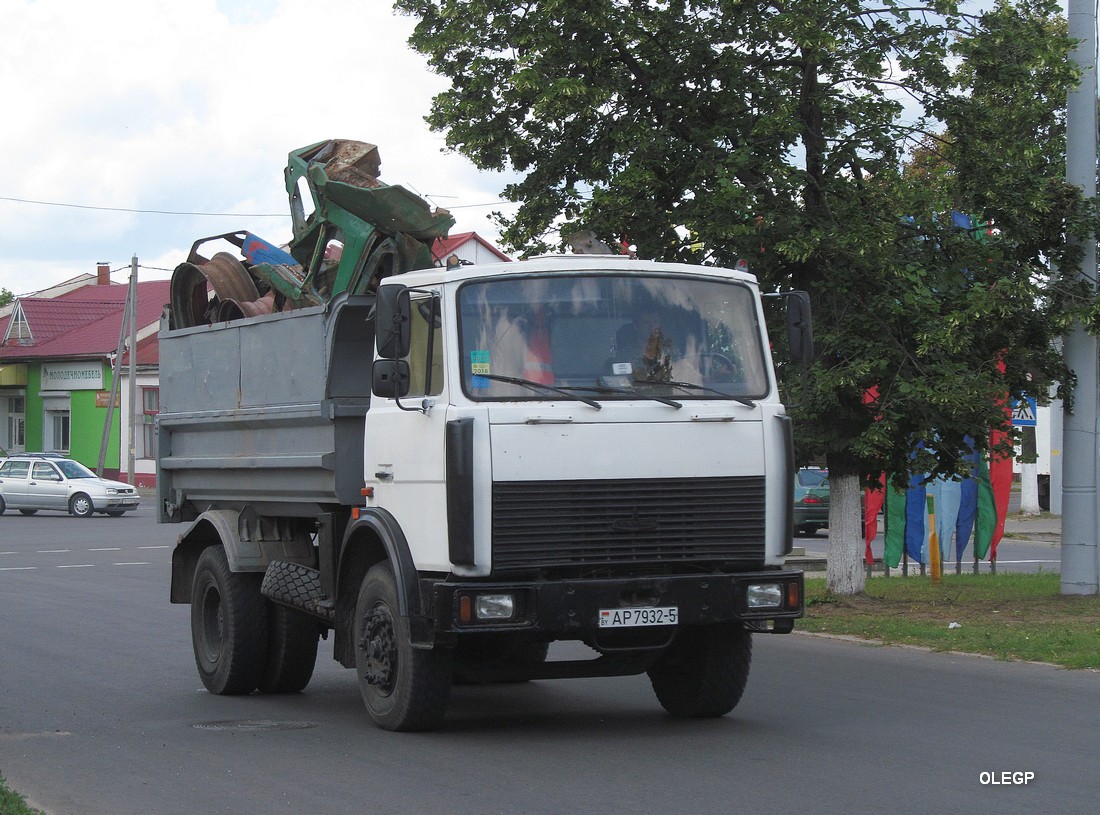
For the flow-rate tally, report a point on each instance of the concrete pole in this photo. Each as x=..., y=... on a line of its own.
x=1080, y=564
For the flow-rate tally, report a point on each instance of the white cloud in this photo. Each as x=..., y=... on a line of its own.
x=193, y=107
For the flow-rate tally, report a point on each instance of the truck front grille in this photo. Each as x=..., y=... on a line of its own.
x=652, y=525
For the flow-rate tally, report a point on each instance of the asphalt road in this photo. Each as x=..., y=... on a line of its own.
x=102, y=713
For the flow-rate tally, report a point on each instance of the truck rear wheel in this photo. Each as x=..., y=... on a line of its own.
x=228, y=625
x=404, y=688
x=704, y=672
x=291, y=650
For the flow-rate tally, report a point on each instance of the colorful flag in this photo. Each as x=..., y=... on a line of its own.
x=964, y=509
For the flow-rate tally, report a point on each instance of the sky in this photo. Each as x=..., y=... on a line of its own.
x=122, y=110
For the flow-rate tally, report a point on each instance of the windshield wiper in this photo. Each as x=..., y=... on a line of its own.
x=688, y=386
x=603, y=387
x=530, y=383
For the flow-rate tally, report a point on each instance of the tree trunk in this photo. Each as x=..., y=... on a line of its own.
x=1029, y=489
x=1029, y=474
x=845, y=573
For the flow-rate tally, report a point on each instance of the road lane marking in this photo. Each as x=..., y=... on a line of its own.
x=76, y=566
x=52, y=551
x=154, y=547
x=133, y=563
x=107, y=549
x=18, y=568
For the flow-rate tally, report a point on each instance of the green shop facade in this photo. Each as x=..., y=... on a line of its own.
x=61, y=406
x=57, y=364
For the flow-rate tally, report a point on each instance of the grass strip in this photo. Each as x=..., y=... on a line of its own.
x=12, y=803
x=1007, y=616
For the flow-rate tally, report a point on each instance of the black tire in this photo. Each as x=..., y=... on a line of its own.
x=28, y=511
x=81, y=506
x=403, y=688
x=3, y=506
x=704, y=672
x=228, y=625
x=291, y=650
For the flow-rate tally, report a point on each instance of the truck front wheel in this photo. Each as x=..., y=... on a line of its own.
x=228, y=625
x=404, y=688
x=704, y=671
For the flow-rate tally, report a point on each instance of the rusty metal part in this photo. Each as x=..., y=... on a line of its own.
x=232, y=310
x=230, y=279
x=189, y=297
x=350, y=162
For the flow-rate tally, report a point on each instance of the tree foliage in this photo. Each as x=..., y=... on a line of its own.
x=826, y=143
x=6, y=297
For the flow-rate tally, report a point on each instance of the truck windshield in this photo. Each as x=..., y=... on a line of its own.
x=611, y=337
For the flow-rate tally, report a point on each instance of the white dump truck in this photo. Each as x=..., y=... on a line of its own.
x=452, y=469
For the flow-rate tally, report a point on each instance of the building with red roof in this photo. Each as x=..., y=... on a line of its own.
x=468, y=247
x=58, y=359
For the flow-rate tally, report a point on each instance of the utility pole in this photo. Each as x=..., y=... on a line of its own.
x=116, y=383
x=133, y=406
x=1080, y=559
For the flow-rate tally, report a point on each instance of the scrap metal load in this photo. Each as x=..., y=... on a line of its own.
x=350, y=231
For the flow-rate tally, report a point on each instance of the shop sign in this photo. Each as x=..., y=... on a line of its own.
x=72, y=376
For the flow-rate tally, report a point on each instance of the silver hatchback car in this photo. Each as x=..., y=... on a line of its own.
x=31, y=483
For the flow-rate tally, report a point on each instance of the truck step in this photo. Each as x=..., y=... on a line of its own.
x=297, y=586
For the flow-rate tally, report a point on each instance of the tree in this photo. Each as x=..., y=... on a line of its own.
x=6, y=297
x=778, y=133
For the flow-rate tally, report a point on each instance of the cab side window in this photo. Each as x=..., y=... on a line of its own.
x=424, y=313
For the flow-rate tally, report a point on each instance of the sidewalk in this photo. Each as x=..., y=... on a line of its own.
x=1044, y=528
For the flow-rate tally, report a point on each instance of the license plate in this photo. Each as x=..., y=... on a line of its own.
x=633, y=617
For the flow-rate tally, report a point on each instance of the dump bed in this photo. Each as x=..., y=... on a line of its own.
x=265, y=411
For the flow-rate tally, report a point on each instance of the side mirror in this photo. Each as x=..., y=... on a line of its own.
x=800, y=327
x=392, y=326
x=390, y=378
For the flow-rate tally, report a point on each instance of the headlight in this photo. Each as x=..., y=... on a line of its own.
x=495, y=606
x=112, y=491
x=764, y=595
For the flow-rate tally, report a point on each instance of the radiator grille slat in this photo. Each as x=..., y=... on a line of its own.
x=605, y=524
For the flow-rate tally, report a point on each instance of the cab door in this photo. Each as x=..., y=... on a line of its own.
x=405, y=452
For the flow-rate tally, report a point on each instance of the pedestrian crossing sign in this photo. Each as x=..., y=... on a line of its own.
x=1023, y=412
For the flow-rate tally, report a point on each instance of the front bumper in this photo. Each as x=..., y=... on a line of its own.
x=121, y=503
x=571, y=608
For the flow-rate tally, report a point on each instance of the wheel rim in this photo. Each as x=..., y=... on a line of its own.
x=379, y=645
x=82, y=505
x=212, y=624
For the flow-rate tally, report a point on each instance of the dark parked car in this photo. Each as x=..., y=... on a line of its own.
x=32, y=482
x=811, y=500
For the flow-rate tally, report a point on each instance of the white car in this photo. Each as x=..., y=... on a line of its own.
x=31, y=483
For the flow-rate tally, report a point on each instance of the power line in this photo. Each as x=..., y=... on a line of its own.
x=145, y=211
x=210, y=214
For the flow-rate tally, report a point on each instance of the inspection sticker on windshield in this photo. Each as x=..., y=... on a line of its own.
x=479, y=367
x=632, y=617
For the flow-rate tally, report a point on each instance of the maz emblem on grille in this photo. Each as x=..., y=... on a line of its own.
x=634, y=524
